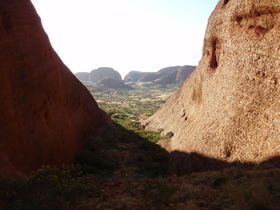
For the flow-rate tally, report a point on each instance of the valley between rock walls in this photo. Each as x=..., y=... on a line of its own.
x=224, y=123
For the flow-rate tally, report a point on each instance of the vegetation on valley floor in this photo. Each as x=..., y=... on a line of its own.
x=122, y=167
x=139, y=101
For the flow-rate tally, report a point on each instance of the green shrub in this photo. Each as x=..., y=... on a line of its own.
x=160, y=193
x=48, y=188
x=169, y=134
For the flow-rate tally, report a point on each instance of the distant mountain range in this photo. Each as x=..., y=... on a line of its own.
x=174, y=75
x=114, y=84
x=110, y=78
x=103, y=77
x=97, y=75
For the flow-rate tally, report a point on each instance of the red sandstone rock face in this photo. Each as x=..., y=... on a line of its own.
x=45, y=112
x=229, y=109
x=7, y=169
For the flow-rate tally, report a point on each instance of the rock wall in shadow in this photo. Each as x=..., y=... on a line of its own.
x=45, y=112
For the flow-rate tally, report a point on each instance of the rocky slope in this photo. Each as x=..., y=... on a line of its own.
x=165, y=72
x=114, y=84
x=183, y=73
x=45, y=112
x=168, y=70
x=166, y=76
x=229, y=109
x=99, y=74
x=134, y=76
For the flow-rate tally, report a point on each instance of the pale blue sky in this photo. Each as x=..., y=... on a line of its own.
x=143, y=35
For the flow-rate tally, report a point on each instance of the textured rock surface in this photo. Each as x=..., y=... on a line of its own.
x=45, y=112
x=7, y=169
x=99, y=74
x=229, y=109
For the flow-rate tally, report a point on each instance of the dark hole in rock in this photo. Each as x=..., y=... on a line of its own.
x=251, y=26
x=213, y=60
x=228, y=153
x=225, y=2
x=258, y=14
x=261, y=74
x=275, y=81
x=261, y=30
x=239, y=19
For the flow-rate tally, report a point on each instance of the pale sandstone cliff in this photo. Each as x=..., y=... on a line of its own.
x=229, y=109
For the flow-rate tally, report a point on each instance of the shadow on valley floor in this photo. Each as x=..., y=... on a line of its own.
x=181, y=163
x=122, y=167
x=119, y=151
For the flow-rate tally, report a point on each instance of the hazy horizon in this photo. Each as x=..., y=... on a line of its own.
x=127, y=35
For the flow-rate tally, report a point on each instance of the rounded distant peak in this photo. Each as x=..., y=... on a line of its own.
x=105, y=69
x=169, y=69
x=102, y=73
